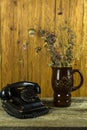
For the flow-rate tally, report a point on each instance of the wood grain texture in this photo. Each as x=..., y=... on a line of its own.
x=7, y=41
x=76, y=13
x=0, y=45
x=83, y=59
x=76, y=116
x=20, y=43
x=38, y=70
x=19, y=59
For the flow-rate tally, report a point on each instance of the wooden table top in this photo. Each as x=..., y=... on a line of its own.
x=73, y=116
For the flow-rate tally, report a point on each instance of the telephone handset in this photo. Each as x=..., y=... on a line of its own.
x=20, y=100
x=17, y=88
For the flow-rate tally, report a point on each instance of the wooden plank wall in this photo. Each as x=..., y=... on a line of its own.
x=18, y=58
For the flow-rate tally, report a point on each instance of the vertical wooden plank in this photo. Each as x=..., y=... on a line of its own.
x=83, y=59
x=33, y=64
x=16, y=43
x=62, y=20
x=0, y=45
x=20, y=44
x=76, y=21
x=7, y=41
x=47, y=23
x=33, y=22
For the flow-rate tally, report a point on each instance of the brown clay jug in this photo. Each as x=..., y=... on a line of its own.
x=62, y=84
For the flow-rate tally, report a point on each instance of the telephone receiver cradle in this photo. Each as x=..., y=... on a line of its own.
x=20, y=100
x=13, y=89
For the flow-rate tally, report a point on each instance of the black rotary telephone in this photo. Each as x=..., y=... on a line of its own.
x=21, y=101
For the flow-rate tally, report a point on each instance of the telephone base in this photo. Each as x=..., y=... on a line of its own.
x=17, y=112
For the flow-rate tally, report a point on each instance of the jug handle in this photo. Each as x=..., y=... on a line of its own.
x=81, y=79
